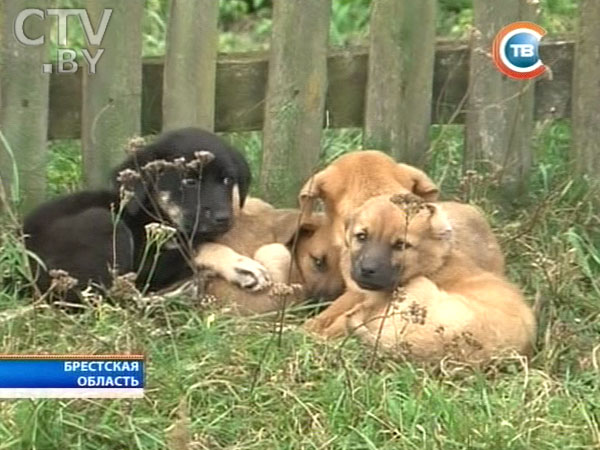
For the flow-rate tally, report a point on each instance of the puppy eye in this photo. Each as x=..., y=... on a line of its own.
x=227, y=181
x=401, y=245
x=189, y=182
x=361, y=236
x=319, y=262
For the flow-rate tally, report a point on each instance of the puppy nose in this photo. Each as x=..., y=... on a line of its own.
x=222, y=218
x=367, y=270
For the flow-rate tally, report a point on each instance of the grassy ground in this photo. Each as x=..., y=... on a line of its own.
x=221, y=382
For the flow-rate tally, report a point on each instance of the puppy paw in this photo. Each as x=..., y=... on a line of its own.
x=316, y=325
x=249, y=274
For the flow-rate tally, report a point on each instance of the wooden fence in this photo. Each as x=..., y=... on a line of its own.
x=394, y=88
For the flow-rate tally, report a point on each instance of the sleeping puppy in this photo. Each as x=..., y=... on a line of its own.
x=188, y=180
x=449, y=305
x=284, y=254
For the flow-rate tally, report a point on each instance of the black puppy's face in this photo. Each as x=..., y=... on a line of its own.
x=197, y=202
x=191, y=179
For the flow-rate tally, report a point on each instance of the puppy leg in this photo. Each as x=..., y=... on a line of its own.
x=332, y=322
x=233, y=267
x=276, y=258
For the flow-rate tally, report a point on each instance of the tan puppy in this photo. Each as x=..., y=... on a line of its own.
x=449, y=306
x=471, y=235
x=353, y=178
x=259, y=250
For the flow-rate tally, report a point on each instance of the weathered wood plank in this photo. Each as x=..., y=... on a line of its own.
x=586, y=93
x=242, y=78
x=190, y=64
x=24, y=92
x=295, y=101
x=111, y=101
x=500, y=109
x=401, y=62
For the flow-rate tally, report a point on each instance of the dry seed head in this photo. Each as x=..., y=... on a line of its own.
x=471, y=341
x=157, y=166
x=410, y=203
x=125, y=195
x=399, y=294
x=134, y=144
x=415, y=313
x=61, y=280
x=204, y=156
x=159, y=232
x=123, y=287
x=128, y=177
x=179, y=163
x=284, y=290
x=207, y=300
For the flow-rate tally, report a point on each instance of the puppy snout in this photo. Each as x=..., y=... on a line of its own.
x=368, y=269
x=222, y=219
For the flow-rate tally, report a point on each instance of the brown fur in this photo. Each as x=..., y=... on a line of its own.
x=467, y=312
x=261, y=239
x=352, y=179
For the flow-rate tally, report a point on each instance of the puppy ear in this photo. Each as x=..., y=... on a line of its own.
x=312, y=190
x=286, y=224
x=440, y=225
x=243, y=176
x=306, y=229
x=348, y=225
x=422, y=185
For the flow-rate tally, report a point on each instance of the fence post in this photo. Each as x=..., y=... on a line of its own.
x=499, y=122
x=295, y=102
x=24, y=92
x=112, y=97
x=400, y=78
x=586, y=93
x=191, y=64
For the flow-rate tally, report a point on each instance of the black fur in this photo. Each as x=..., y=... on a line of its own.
x=75, y=232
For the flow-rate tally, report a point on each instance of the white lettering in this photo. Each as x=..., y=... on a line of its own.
x=94, y=37
x=20, y=22
x=523, y=50
x=66, y=56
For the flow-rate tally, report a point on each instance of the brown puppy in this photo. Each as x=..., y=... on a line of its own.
x=449, y=305
x=471, y=235
x=355, y=177
x=259, y=250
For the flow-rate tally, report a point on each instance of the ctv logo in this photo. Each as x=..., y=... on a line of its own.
x=515, y=50
x=66, y=57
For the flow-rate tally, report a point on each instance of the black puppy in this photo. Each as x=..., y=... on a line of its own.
x=187, y=179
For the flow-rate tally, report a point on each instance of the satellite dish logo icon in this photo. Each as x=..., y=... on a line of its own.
x=515, y=50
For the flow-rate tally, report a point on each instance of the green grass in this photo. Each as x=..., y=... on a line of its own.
x=221, y=382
